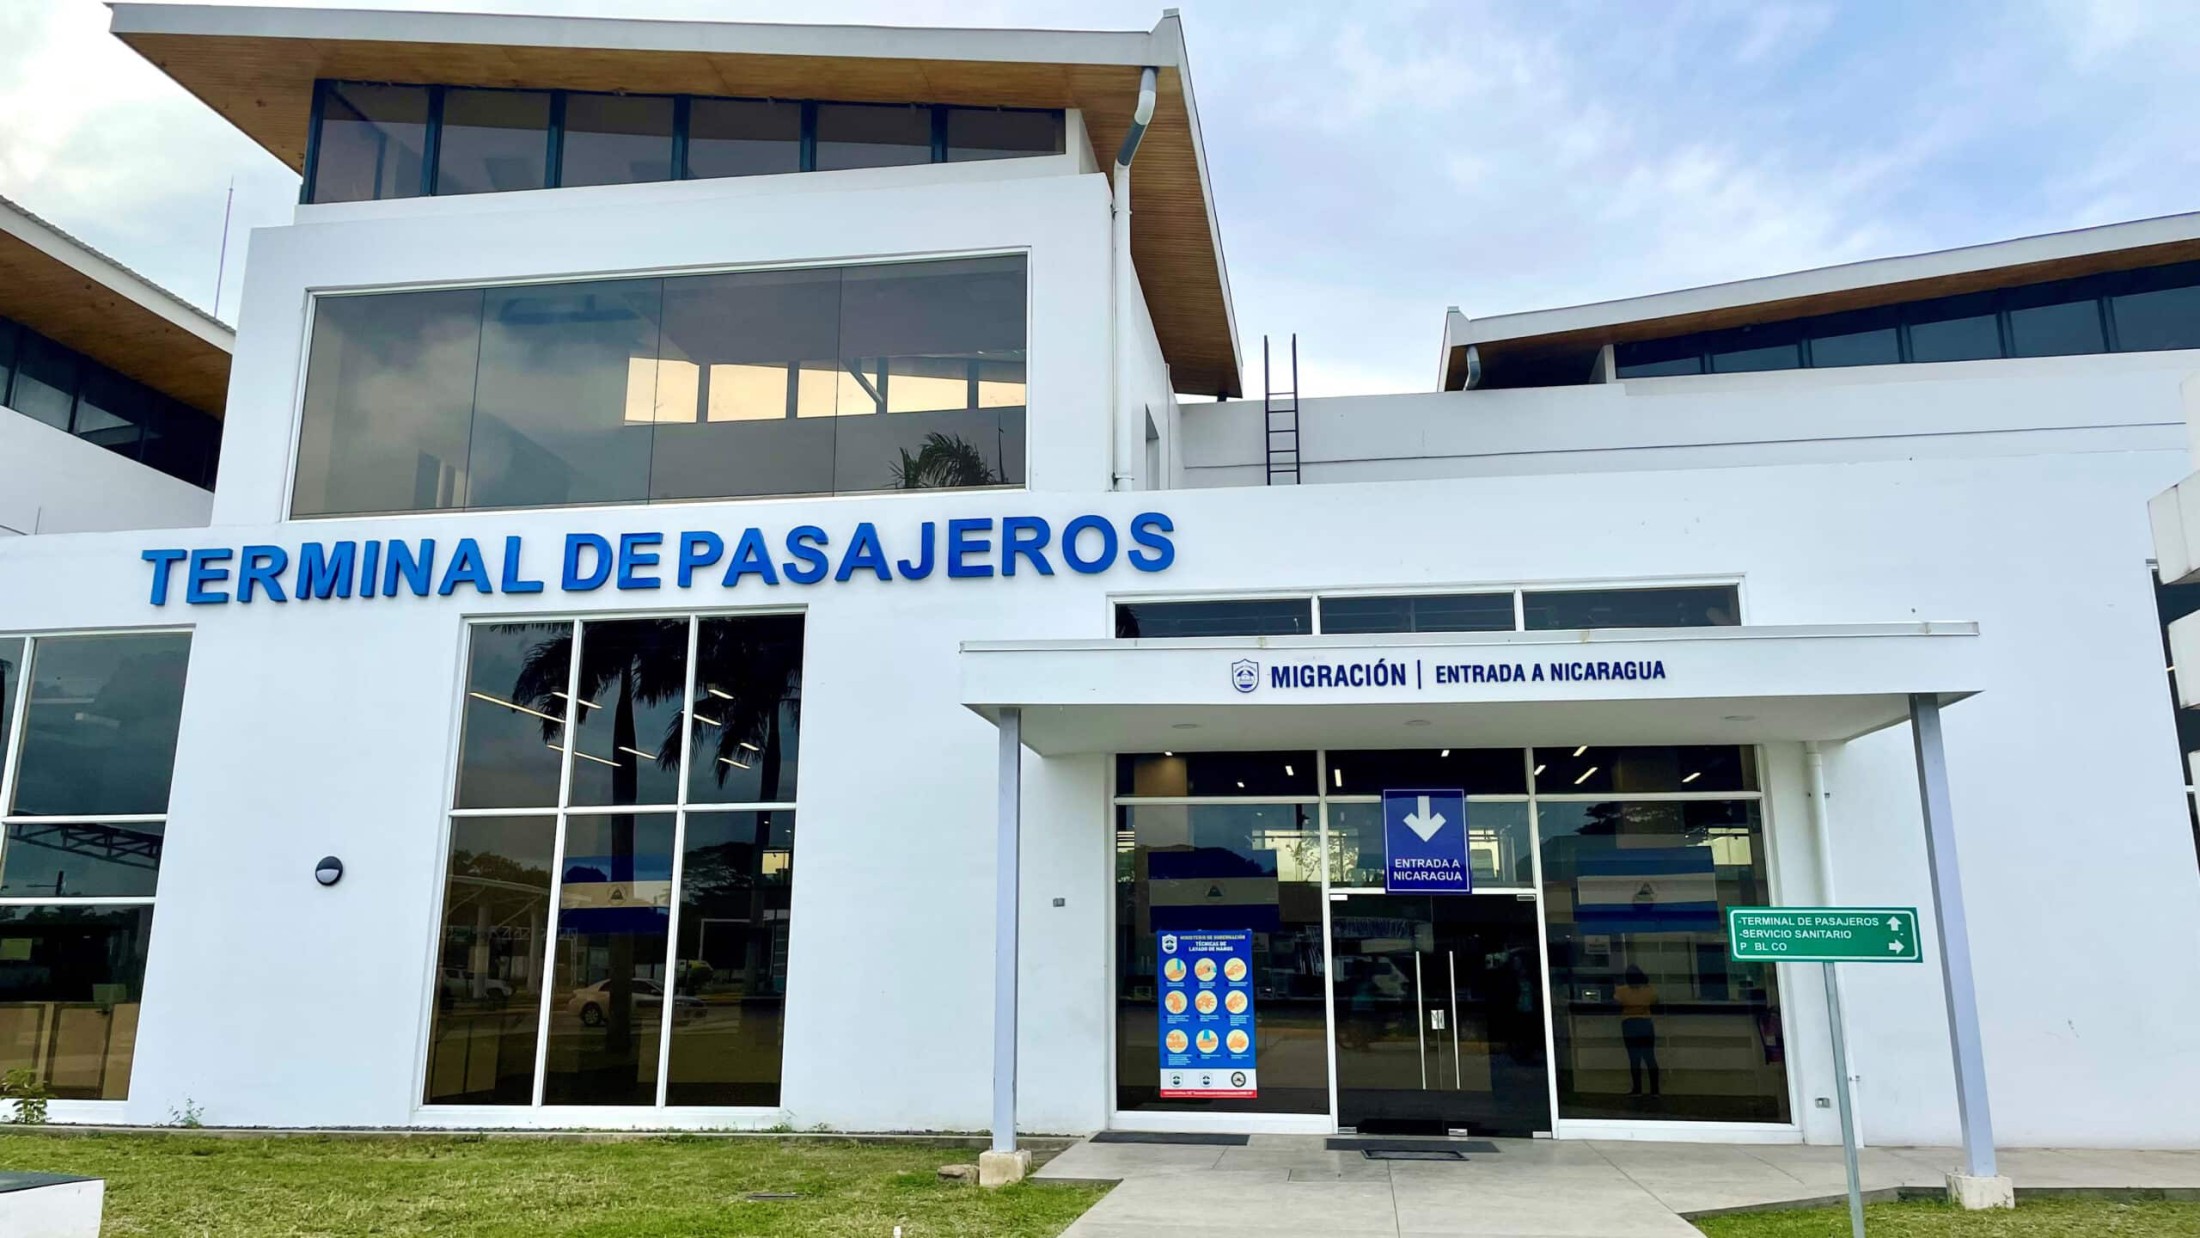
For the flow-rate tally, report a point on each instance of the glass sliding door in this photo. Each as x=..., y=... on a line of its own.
x=615, y=919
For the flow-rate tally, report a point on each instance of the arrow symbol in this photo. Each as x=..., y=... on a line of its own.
x=1894, y=947
x=1894, y=923
x=1423, y=822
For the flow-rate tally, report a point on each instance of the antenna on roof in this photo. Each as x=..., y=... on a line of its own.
x=221, y=264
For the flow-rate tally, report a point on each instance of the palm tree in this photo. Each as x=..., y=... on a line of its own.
x=943, y=462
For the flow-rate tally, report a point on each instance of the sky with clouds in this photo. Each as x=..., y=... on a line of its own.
x=1374, y=163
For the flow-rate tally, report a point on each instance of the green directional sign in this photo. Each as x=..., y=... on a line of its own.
x=1823, y=935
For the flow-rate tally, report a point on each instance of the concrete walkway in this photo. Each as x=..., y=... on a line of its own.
x=1289, y=1186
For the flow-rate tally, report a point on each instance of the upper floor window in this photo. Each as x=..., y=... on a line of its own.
x=1503, y=610
x=71, y=392
x=816, y=381
x=2146, y=310
x=372, y=141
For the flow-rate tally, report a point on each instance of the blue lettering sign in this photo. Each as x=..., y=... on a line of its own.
x=970, y=547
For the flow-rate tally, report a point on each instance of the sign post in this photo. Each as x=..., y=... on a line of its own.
x=1826, y=936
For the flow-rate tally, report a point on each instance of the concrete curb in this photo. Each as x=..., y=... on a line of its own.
x=1046, y=1145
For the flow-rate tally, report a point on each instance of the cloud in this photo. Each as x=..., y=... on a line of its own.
x=1373, y=164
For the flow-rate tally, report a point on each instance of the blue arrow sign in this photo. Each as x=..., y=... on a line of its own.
x=1425, y=843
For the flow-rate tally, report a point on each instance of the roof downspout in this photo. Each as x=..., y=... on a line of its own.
x=1119, y=258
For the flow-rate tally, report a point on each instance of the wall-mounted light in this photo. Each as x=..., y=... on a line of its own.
x=329, y=871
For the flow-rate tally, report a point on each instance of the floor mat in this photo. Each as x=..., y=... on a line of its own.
x=1212, y=1141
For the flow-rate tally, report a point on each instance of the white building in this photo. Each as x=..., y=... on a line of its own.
x=1641, y=580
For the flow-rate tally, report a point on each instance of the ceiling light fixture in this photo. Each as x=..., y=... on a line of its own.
x=1538, y=770
x=1287, y=771
x=1580, y=750
x=1692, y=777
x=751, y=747
x=498, y=700
x=723, y=696
x=1585, y=775
x=1337, y=775
x=732, y=762
x=649, y=756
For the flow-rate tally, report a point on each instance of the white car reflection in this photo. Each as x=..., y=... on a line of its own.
x=592, y=1002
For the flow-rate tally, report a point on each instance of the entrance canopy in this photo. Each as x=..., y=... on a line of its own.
x=1727, y=685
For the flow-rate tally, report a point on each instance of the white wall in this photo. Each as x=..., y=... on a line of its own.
x=2121, y=402
x=53, y=482
x=313, y=729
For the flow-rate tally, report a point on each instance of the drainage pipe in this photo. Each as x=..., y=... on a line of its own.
x=1121, y=450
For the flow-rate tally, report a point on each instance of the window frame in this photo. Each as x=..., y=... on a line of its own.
x=1518, y=588
x=314, y=298
x=680, y=809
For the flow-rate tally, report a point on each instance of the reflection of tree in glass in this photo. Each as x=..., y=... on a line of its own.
x=746, y=667
x=945, y=461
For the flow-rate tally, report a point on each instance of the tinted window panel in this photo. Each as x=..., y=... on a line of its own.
x=99, y=732
x=979, y=133
x=1749, y=359
x=182, y=442
x=11, y=686
x=10, y=334
x=1954, y=329
x=1880, y=346
x=371, y=142
x=1477, y=771
x=1215, y=773
x=71, y=981
x=1591, y=769
x=1659, y=358
x=45, y=380
x=607, y=992
x=493, y=140
x=912, y=336
x=1452, y=612
x=111, y=411
x=866, y=135
x=513, y=728
x=1250, y=617
x=1689, y=607
x=626, y=741
x=743, y=137
x=488, y=995
x=388, y=404
x=730, y=972
x=567, y=394
x=2162, y=319
x=72, y=859
x=2056, y=330
x=616, y=140
x=748, y=385
x=748, y=710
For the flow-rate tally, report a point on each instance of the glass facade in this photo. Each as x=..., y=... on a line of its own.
x=2145, y=310
x=71, y=392
x=821, y=381
x=374, y=141
x=615, y=916
x=1628, y=857
x=87, y=742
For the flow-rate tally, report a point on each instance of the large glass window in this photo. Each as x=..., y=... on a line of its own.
x=988, y=133
x=84, y=801
x=1650, y=1018
x=371, y=144
x=77, y=395
x=832, y=380
x=661, y=989
x=1438, y=612
x=45, y=381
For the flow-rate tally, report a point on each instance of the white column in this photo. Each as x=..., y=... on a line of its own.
x=1955, y=939
x=1005, y=892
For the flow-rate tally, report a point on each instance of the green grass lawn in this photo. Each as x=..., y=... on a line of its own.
x=2032, y=1218
x=172, y=1186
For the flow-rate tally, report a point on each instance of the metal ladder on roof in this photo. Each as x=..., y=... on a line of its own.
x=1280, y=414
